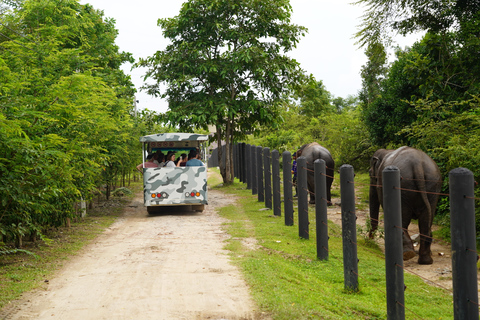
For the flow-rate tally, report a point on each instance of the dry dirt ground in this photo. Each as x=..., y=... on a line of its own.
x=438, y=274
x=170, y=265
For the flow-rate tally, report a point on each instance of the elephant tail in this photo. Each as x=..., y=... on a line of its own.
x=421, y=182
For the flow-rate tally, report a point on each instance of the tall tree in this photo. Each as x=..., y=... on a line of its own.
x=383, y=18
x=373, y=73
x=226, y=66
x=314, y=99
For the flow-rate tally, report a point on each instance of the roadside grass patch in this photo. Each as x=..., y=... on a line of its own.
x=289, y=282
x=23, y=272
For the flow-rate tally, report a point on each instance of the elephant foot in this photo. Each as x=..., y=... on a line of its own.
x=407, y=255
x=425, y=259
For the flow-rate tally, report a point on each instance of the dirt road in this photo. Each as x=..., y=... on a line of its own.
x=437, y=274
x=163, y=266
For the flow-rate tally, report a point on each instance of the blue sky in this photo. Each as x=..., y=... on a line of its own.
x=328, y=51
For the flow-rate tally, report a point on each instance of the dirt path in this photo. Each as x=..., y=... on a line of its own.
x=439, y=273
x=164, y=266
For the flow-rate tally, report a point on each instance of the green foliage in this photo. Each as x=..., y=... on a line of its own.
x=429, y=96
x=345, y=104
x=315, y=100
x=373, y=73
x=450, y=132
x=344, y=134
x=65, y=124
x=384, y=18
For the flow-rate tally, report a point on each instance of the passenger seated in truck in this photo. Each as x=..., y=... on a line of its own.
x=182, y=160
x=192, y=160
x=147, y=164
x=170, y=160
x=159, y=158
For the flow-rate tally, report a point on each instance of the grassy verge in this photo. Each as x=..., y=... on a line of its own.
x=288, y=281
x=22, y=272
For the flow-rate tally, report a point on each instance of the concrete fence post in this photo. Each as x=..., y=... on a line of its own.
x=261, y=194
x=464, y=247
x=287, y=188
x=321, y=216
x=303, y=222
x=268, y=178
x=277, y=209
x=392, y=209
x=254, y=170
x=242, y=162
x=349, y=228
x=235, y=159
x=248, y=166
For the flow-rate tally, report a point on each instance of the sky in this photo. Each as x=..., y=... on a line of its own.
x=328, y=51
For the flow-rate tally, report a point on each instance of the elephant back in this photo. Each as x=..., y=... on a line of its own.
x=313, y=151
x=417, y=169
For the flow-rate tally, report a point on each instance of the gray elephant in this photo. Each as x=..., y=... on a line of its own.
x=311, y=152
x=419, y=173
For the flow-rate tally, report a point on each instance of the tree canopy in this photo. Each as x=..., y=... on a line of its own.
x=384, y=18
x=65, y=123
x=429, y=96
x=226, y=66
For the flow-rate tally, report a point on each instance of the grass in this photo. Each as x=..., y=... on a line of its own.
x=288, y=282
x=285, y=278
x=23, y=272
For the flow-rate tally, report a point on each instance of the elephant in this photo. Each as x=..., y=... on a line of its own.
x=418, y=173
x=311, y=152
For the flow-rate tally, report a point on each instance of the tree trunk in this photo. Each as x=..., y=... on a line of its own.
x=232, y=172
x=221, y=165
x=226, y=167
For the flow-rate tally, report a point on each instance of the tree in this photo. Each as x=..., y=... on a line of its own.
x=64, y=111
x=345, y=104
x=226, y=67
x=442, y=66
x=373, y=73
x=314, y=99
x=385, y=17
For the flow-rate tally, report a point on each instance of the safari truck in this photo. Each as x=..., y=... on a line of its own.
x=174, y=186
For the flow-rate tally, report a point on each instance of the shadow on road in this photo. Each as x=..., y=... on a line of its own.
x=172, y=210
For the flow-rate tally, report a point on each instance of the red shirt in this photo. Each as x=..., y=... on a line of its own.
x=149, y=164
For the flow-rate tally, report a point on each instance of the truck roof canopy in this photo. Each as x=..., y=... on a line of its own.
x=174, y=137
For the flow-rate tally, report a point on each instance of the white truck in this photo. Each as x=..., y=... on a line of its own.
x=174, y=186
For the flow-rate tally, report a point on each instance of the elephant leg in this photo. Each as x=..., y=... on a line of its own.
x=407, y=214
x=374, y=210
x=329, y=187
x=312, y=198
x=311, y=189
x=408, y=251
x=425, y=252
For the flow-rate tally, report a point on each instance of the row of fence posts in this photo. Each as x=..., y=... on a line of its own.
x=260, y=170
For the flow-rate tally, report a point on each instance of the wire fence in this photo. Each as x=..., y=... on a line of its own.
x=259, y=169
